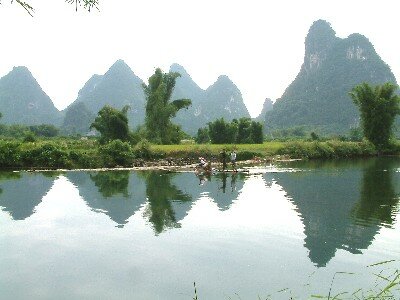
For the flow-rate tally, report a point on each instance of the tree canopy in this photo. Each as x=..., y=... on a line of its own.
x=112, y=124
x=378, y=107
x=242, y=131
x=160, y=109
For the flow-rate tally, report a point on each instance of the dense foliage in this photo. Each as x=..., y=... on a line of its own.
x=117, y=153
x=160, y=109
x=378, y=107
x=20, y=131
x=88, y=153
x=242, y=131
x=112, y=124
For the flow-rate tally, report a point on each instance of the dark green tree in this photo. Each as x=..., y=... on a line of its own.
x=257, y=135
x=222, y=132
x=46, y=130
x=203, y=136
x=244, y=131
x=378, y=107
x=112, y=124
x=160, y=109
x=112, y=183
x=161, y=192
x=378, y=197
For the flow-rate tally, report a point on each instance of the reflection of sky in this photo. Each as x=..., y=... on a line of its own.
x=68, y=251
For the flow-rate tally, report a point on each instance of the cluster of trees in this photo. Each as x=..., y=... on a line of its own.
x=20, y=131
x=378, y=105
x=112, y=124
x=242, y=131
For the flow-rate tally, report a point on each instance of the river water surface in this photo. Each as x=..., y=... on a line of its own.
x=281, y=231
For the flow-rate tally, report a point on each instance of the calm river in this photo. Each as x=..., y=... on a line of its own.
x=280, y=232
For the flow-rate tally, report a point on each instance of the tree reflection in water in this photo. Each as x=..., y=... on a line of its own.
x=342, y=204
x=378, y=197
x=112, y=183
x=160, y=192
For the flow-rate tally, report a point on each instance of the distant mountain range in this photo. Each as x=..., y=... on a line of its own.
x=221, y=99
x=318, y=97
x=22, y=100
x=119, y=86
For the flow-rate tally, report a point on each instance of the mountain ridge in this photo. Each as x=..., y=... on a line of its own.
x=23, y=101
x=318, y=96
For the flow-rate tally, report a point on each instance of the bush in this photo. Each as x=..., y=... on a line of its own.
x=247, y=155
x=143, y=149
x=331, y=149
x=82, y=159
x=117, y=153
x=30, y=137
x=10, y=154
x=46, y=156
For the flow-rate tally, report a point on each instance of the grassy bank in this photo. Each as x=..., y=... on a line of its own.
x=88, y=153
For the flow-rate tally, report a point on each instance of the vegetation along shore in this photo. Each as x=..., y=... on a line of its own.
x=67, y=153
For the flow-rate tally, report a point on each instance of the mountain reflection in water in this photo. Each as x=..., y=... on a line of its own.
x=342, y=205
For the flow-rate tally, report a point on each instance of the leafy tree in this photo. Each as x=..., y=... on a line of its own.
x=314, y=136
x=112, y=124
x=46, y=130
x=116, y=153
x=160, y=110
x=222, y=132
x=244, y=131
x=256, y=132
x=203, y=136
x=87, y=4
x=112, y=183
x=378, y=107
x=30, y=137
x=161, y=192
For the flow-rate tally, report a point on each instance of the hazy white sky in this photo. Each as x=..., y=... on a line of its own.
x=258, y=44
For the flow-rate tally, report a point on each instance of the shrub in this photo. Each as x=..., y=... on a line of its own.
x=46, y=156
x=82, y=159
x=143, y=149
x=10, y=154
x=117, y=153
x=247, y=155
x=331, y=149
x=30, y=137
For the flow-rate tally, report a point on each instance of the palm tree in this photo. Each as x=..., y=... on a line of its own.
x=159, y=108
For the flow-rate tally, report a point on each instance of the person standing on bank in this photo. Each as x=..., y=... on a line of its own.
x=233, y=160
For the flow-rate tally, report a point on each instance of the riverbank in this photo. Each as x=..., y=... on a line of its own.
x=89, y=154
